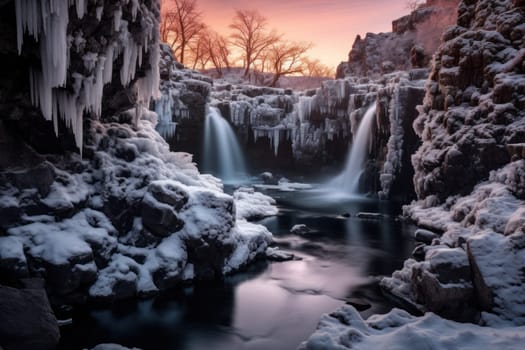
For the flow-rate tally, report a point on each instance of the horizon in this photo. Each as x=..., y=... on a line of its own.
x=337, y=22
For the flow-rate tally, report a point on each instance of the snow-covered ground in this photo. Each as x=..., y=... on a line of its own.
x=398, y=330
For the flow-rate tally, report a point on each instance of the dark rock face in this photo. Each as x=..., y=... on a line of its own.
x=411, y=44
x=473, y=110
x=27, y=320
x=469, y=170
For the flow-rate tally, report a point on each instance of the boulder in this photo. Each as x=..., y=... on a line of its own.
x=159, y=218
x=443, y=283
x=28, y=322
x=425, y=236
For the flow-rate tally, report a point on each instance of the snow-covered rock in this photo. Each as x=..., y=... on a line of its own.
x=398, y=330
x=253, y=205
x=469, y=171
x=127, y=217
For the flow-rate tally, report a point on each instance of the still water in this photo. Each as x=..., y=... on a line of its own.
x=272, y=305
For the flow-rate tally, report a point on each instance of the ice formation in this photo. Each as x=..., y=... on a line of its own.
x=47, y=22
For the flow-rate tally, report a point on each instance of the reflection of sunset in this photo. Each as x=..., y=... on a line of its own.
x=331, y=25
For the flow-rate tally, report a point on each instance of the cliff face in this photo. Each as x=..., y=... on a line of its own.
x=411, y=44
x=470, y=172
x=472, y=118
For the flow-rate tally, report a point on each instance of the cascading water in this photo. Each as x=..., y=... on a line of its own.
x=348, y=180
x=223, y=156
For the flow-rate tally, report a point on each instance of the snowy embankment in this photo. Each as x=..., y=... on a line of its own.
x=181, y=225
x=398, y=330
x=127, y=217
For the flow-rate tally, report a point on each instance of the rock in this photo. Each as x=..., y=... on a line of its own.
x=27, y=320
x=268, y=178
x=275, y=254
x=425, y=236
x=443, y=283
x=371, y=216
x=112, y=347
x=300, y=229
x=13, y=262
x=419, y=252
x=359, y=304
x=159, y=218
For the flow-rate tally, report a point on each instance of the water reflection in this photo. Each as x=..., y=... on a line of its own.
x=270, y=306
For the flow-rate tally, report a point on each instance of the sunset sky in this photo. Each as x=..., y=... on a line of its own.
x=331, y=25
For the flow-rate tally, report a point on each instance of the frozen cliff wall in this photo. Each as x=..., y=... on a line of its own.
x=469, y=172
x=411, y=44
x=65, y=56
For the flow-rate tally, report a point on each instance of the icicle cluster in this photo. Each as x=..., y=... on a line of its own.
x=47, y=22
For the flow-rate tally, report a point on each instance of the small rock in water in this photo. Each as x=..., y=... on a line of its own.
x=419, y=252
x=112, y=347
x=359, y=304
x=371, y=216
x=268, y=178
x=425, y=236
x=275, y=254
x=346, y=215
x=300, y=229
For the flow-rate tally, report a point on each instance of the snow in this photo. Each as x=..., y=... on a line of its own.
x=398, y=330
x=12, y=248
x=250, y=240
x=285, y=185
x=250, y=204
x=59, y=242
x=490, y=221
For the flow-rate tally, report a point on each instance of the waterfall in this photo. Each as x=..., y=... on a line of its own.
x=348, y=180
x=222, y=153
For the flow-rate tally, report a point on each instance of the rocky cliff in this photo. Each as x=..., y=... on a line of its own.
x=411, y=44
x=469, y=171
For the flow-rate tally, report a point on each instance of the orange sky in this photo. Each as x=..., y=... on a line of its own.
x=331, y=25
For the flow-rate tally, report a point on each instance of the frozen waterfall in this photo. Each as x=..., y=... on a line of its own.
x=348, y=180
x=222, y=156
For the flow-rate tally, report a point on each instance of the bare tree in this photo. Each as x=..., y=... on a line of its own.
x=210, y=49
x=181, y=25
x=251, y=36
x=314, y=68
x=286, y=58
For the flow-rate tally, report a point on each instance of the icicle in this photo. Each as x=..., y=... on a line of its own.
x=81, y=7
x=276, y=139
x=99, y=11
x=117, y=18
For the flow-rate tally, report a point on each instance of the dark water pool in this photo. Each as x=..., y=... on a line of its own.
x=272, y=305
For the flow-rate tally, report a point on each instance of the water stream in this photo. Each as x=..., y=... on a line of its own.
x=272, y=305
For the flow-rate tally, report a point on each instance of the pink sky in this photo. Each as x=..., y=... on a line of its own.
x=331, y=25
